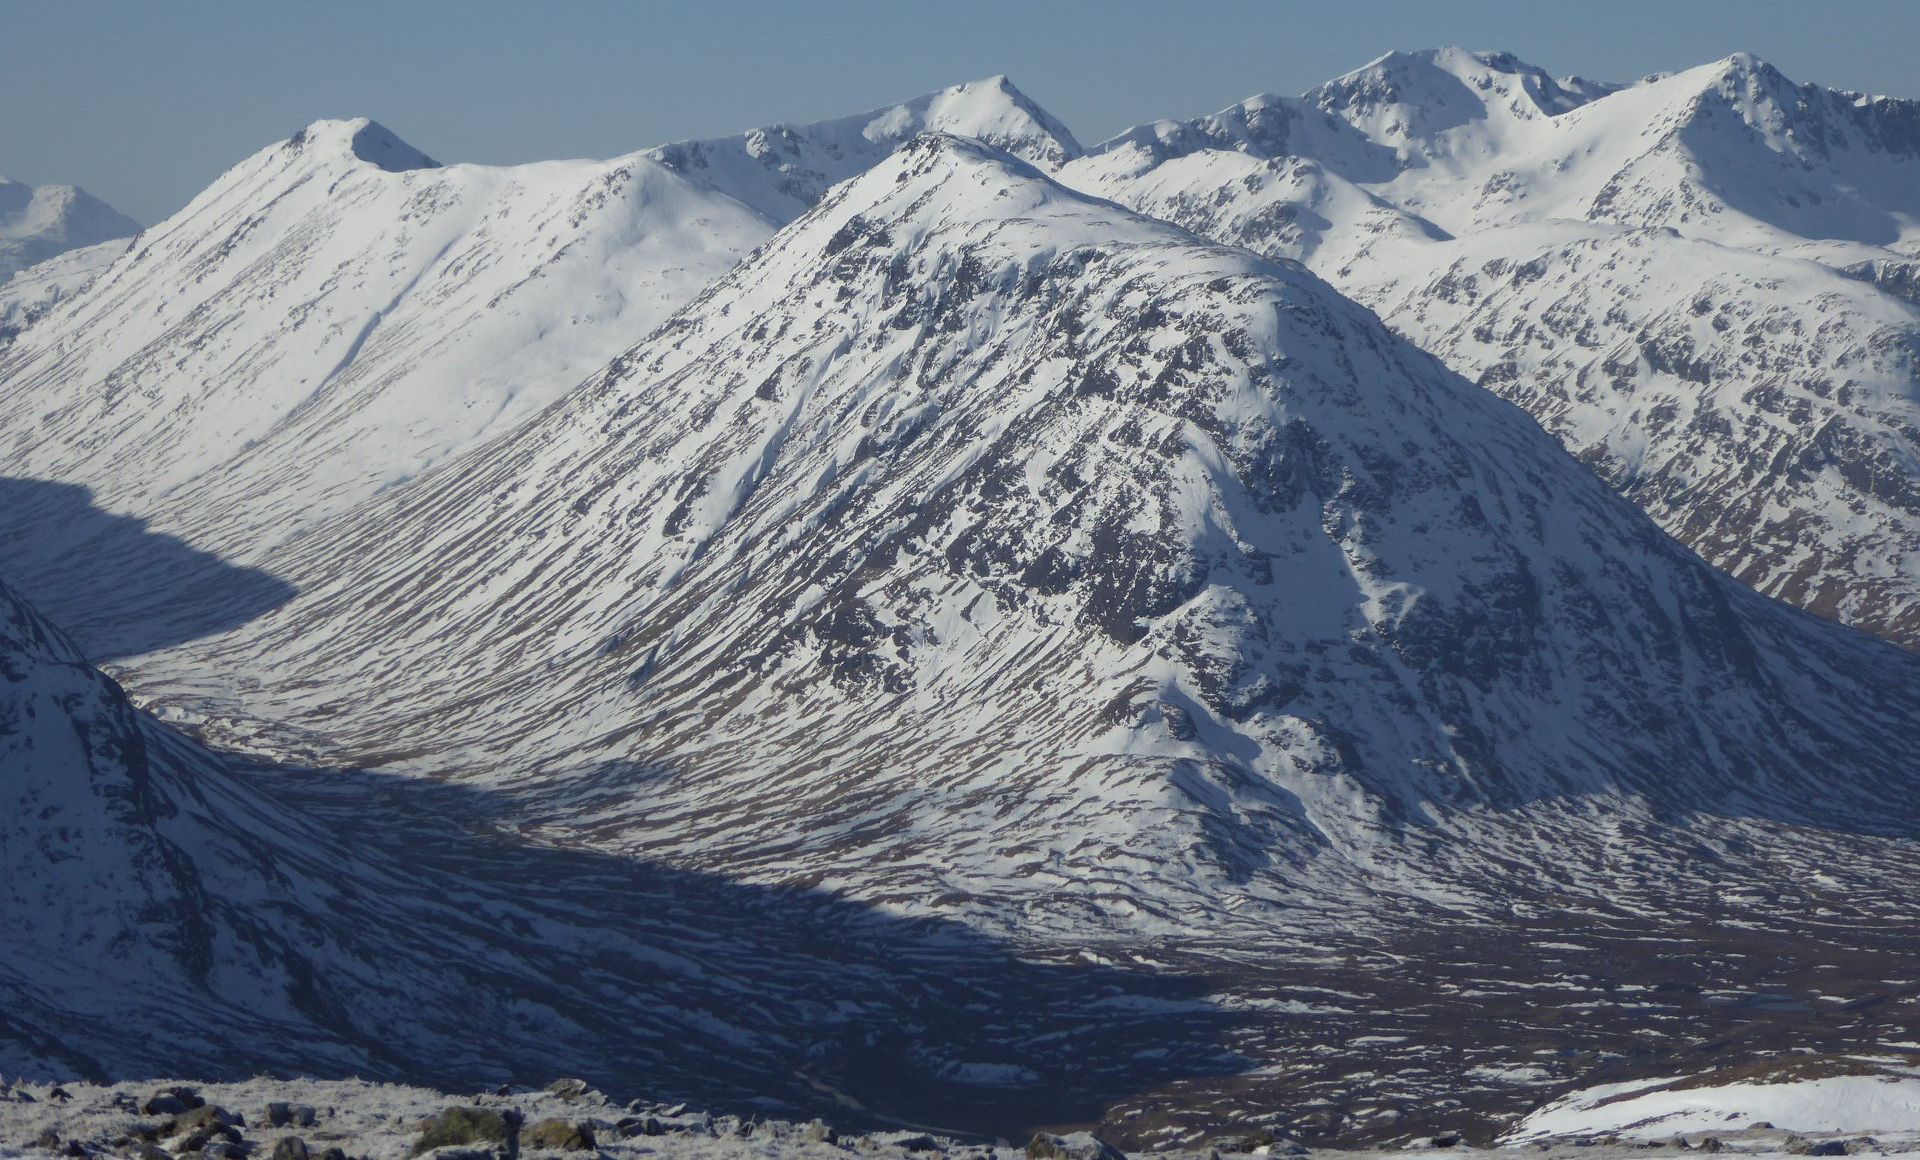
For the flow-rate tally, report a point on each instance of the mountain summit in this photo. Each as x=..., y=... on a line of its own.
x=782, y=170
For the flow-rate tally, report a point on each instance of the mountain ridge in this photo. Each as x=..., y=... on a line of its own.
x=949, y=529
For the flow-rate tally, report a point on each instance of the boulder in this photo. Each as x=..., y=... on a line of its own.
x=568, y=1089
x=1828, y=1148
x=163, y=1104
x=290, y=1148
x=1712, y=1144
x=633, y=1126
x=206, y=1117
x=556, y=1135
x=470, y=1125
x=1074, y=1146
x=285, y=1115
x=1242, y=1142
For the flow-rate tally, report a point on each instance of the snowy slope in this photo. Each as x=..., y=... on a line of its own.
x=1062, y=566
x=1859, y=1098
x=33, y=292
x=1697, y=281
x=171, y=911
x=1762, y=408
x=38, y=223
x=118, y=933
x=340, y=302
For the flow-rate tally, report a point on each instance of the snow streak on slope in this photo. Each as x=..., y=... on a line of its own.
x=1632, y=266
x=341, y=303
x=41, y=223
x=1051, y=558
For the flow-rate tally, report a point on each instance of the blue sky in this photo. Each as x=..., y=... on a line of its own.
x=145, y=102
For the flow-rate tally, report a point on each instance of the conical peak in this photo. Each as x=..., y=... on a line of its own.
x=363, y=140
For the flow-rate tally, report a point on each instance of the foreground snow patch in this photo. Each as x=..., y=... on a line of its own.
x=1881, y=1102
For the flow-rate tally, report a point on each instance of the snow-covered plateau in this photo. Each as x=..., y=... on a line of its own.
x=1315, y=623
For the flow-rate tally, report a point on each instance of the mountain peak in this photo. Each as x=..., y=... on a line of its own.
x=1428, y=83
x=38, y=223
x=990, y=109
x=361, y=139
x=783, y=170
x=1746, y=62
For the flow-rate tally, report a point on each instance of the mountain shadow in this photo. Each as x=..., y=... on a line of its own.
x=114, y=586
x=406, y=932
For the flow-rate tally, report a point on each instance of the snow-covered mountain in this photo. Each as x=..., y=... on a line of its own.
x=38, y=223
x=1069, y=571
x=1700, y=282
x=782, y=170
x=341, y=302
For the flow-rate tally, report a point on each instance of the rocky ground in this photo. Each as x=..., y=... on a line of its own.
x=266, y=1119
